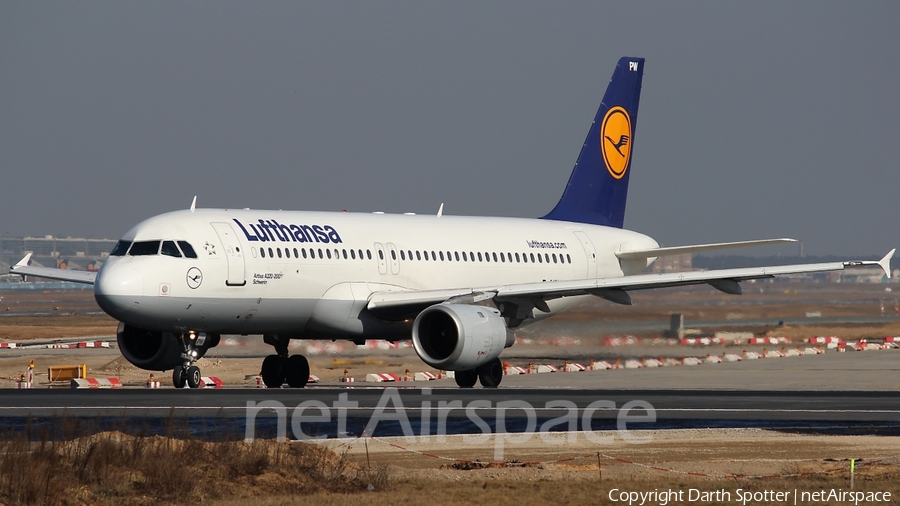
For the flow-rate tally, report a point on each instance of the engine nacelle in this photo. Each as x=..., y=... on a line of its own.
x=156, y=351
x=460, y=337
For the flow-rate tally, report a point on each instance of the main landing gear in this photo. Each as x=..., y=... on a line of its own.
x=187, y=373
x=489, y=374
x=280, y=368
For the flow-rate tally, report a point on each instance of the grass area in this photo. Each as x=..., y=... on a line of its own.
x=70, y=465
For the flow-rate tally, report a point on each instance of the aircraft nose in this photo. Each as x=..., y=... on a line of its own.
x=117, y=289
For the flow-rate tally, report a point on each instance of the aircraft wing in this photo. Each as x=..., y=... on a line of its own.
x=613, y=289
x=22, y=267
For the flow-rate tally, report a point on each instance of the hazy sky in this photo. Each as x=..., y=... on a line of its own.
x=757, y=119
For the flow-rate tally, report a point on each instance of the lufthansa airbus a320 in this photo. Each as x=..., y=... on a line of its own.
x=457, y=286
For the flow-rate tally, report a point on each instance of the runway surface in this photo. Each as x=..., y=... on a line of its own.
x=360, y=402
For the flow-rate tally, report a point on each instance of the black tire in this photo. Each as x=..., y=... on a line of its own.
x=178, y=377
x=273, y=371
x=466, y=379
x=193, y=376
x=296, y=371
x=491, y=373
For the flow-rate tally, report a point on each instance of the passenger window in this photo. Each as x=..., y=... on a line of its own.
x=369, y=254
x=279, y=252
x=120, y=249
x=287, y=253
x=418, y=256
x=169, y=249
x=532, y=257
x=442, y=256
x=502, y=258
x=344, y=252
x=479, y=257
x=554, y=258
x=540, y=260
x=456, y=254
x=303, y=252
x=433, y=256
x=465, y=257
x=360, y=254
x=487, y=256
x=262, y=251
x=328, y=252
x=271, y=253
x=402, y=255
x=393, y=255
x=409, y=254
x=321, y=255
x=253, y=250
x=353, y=254
x=547, y=257
x=144, y=248
x=517, y=258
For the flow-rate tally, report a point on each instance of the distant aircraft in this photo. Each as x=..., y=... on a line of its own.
x=457, y=286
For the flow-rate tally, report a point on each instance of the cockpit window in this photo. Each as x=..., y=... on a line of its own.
x=120, y=249
x=187, y=249
x=143, y=248
x=169, y=249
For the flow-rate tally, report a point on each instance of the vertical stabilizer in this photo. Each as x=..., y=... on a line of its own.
x=598, y=186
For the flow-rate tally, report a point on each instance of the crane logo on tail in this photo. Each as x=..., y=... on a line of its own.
x=615, y=141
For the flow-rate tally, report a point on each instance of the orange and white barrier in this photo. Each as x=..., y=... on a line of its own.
x=713, y=359
x=382, y=378
x=424, y=376
x=8, y=345
x=346, y=377
x=574, y=367
x=260, y=383
x=631, y=364
x=23, y=385
x=312, y=379
x=651, y=362
x=544, y=368
x=513, y=370
x=211, y=382
x=731, y=357
x=825, y=340
x=94, y=383
x=691, y=361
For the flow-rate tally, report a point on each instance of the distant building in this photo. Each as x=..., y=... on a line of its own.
x=673, y=263
x=49, y=251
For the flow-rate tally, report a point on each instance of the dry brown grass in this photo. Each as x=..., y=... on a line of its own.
x=117, y=468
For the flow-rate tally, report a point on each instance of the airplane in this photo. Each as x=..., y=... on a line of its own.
x=458, y=287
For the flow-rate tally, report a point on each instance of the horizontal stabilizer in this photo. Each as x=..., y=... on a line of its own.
x=696, y=248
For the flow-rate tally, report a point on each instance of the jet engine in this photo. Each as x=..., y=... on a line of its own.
x=460, y=337
x=156, y=351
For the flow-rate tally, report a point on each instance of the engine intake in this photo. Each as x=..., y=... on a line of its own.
x=460, y=337
x=153, y=350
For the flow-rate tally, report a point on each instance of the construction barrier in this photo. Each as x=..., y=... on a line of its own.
x=211, y=382
x=8, y=345
x=425, y=376
x=66, y=372
x=382, y=378
x=94, y=383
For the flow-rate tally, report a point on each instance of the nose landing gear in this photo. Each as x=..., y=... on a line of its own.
x=280, y=368
x=188, y=373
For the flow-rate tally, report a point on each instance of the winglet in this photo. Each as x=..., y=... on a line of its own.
x=885, y=263
x=194, y=203
x=441, y=210
x=23, y=262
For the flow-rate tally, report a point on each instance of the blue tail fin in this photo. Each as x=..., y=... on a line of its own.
x=599, y=183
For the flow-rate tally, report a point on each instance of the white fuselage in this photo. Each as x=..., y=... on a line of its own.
x=310, y=274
